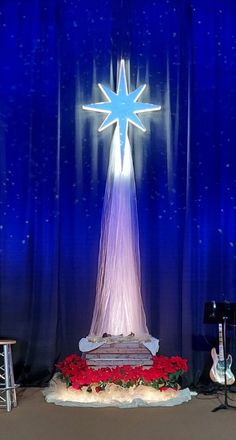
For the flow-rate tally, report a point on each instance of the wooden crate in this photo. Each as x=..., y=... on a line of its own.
x=111, y=355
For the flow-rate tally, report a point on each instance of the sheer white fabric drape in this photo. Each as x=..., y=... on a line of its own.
x=118, y=304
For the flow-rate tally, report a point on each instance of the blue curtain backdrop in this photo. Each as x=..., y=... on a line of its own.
x=53, y=167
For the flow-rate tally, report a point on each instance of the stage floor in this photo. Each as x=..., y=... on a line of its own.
x=34, y=419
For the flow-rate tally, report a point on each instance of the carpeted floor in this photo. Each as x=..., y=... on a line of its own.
x=34, y=419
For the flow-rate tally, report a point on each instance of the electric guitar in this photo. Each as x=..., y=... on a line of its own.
x=217, y=372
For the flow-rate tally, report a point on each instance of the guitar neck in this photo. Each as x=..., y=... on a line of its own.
x=221, y=347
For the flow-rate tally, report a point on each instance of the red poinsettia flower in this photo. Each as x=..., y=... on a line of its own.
x=162, y=375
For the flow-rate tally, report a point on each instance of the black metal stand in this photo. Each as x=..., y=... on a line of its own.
x=224, y=405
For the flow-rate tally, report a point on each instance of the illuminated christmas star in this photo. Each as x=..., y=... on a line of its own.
x=122, y=107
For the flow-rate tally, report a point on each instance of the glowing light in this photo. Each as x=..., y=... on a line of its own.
x=132, y=397
x=121, y=108
x=118, y=304
x=118, y=169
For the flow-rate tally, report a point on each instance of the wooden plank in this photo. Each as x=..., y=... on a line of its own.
x=119, y=350
x=117, y=354
x=114, y=363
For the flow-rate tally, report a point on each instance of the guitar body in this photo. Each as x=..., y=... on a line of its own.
x=217, y=372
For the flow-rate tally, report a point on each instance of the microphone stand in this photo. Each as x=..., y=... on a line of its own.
x=224, y=405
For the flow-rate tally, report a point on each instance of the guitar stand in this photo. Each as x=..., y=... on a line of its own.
x=224, y=405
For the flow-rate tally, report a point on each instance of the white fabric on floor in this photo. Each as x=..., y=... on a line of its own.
x=114, y=395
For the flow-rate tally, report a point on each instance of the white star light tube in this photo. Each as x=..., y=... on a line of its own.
x=118, y=304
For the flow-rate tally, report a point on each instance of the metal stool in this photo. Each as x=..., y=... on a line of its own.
x=7, y=382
